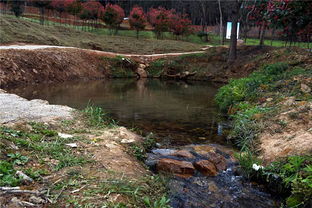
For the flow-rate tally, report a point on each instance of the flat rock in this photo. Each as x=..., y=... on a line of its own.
x=176, y=167
x=163, y=152
x=15, y=109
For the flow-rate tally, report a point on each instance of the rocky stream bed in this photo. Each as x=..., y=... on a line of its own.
x=206, y=176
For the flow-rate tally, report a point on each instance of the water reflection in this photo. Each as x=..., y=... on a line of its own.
x=178, y=112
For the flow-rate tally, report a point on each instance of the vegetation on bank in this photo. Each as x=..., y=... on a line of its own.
x=40, y=152
x=250, y=103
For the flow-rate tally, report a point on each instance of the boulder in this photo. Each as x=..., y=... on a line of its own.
x=206, y=167
x=141, y=71
x=176, y=167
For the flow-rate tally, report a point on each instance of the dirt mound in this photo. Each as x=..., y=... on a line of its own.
x=34, y=66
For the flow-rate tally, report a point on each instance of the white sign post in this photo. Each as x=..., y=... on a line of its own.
x=229, y=30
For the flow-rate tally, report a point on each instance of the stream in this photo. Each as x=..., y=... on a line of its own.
x=182, y=116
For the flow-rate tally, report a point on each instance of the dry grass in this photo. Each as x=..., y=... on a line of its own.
x=14, y=30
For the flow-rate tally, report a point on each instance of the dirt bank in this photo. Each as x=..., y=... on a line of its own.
x=213, y=66
x=34, y=66
x=22, y=64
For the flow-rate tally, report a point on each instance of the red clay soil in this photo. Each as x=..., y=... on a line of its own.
x=45, y=65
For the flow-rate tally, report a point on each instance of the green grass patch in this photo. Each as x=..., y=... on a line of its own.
x=276, y=43
x=248, y=88
x=39, y=144
x=97, y=117
x=149, y=192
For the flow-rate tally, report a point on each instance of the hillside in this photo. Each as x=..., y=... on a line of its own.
x=15, y=30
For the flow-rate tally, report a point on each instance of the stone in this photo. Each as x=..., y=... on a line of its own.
x=36, y=200
x=65, y=136
x=183, y=153
x=72, y=145
x=127, y=141
x=305, y=88
x=206, y=168
x=25, y=178
x=141, y=71
x=203, y=149
x=218, y=160
x=163, y=152
x=176, y=167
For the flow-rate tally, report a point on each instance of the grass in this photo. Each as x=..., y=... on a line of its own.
x=191, y=63
x=22, y=30
x=277, y=43
x=38, y=144
x=147, y=34
x=97, y=117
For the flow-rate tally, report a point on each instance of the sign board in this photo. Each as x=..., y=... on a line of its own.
x=229, y=30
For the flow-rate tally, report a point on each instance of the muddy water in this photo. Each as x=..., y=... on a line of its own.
x=179, y=114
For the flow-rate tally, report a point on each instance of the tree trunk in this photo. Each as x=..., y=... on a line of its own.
x=262, y=33
x=221, y=23
x=42, y=9
x=233, y=41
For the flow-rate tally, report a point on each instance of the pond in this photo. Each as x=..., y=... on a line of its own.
x=178, y=112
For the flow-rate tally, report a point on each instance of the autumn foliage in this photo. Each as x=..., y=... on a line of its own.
x=164, y=20
x=137, y=19
x=113, y=16
x=92, y=10
x=61, y=5
x=180, y=25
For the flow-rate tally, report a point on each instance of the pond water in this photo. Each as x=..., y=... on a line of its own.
x=178, y=112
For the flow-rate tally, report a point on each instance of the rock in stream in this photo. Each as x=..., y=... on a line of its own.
x=203, y=176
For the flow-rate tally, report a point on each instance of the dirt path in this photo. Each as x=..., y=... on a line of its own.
x=142, y=57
